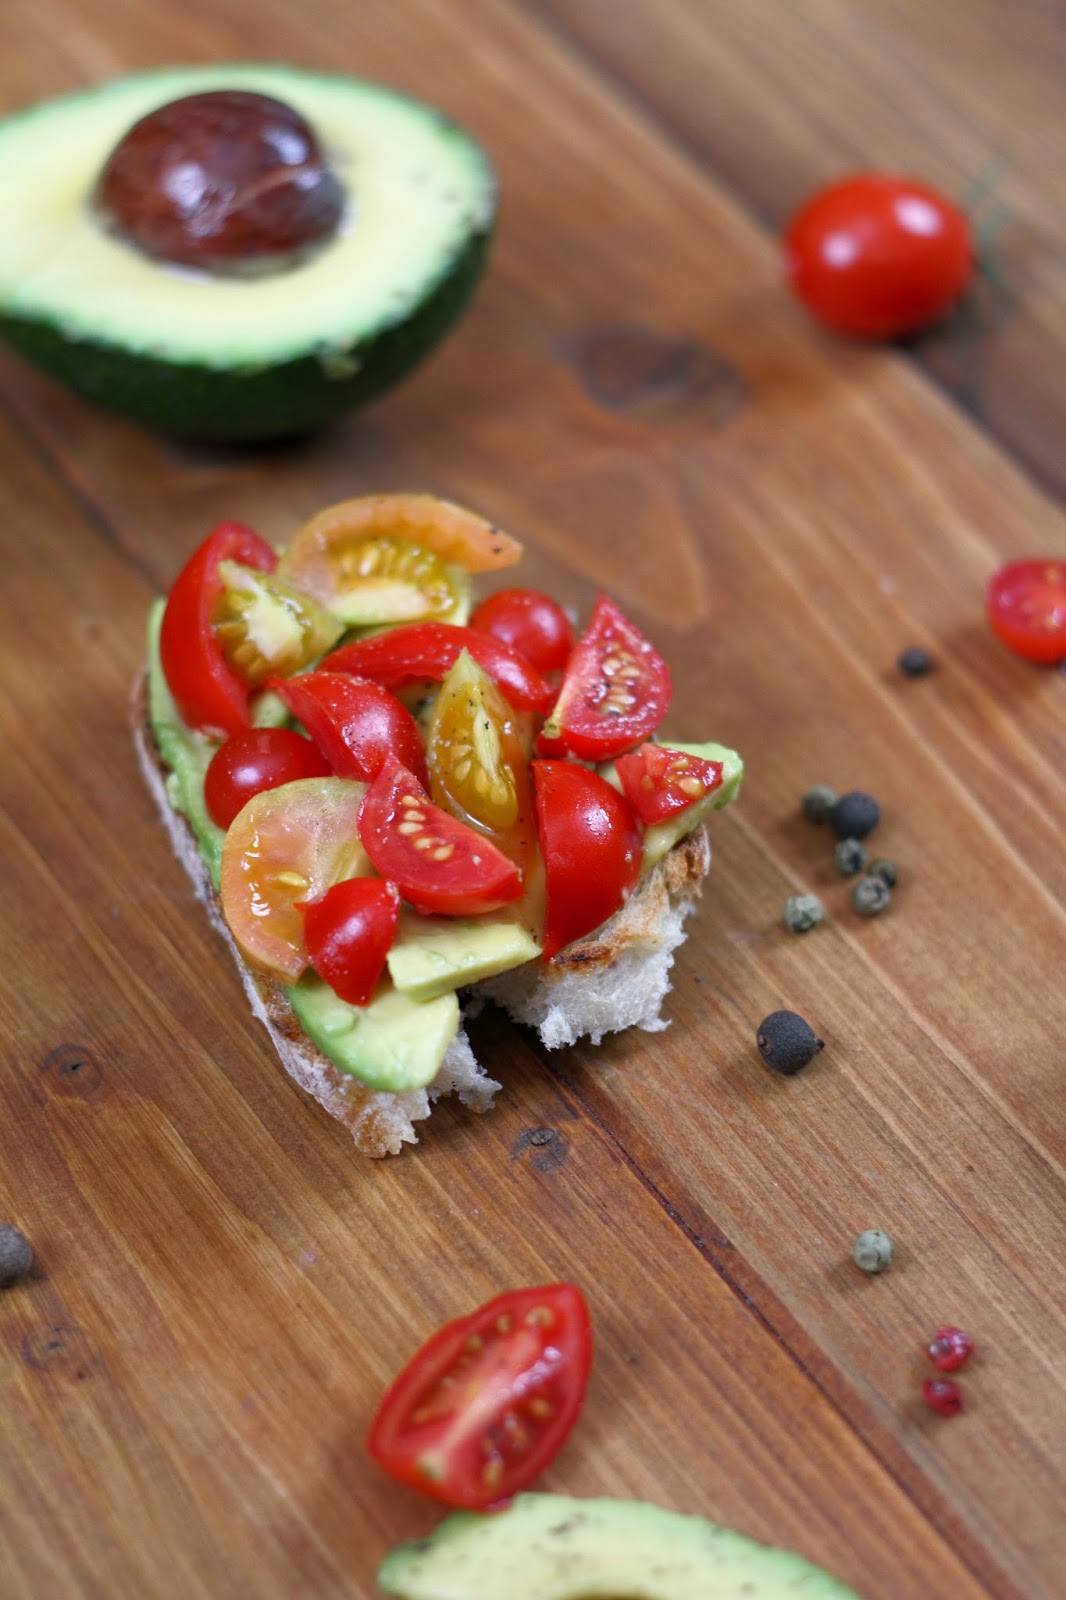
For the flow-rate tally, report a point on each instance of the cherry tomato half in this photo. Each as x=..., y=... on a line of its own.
x=488, y=1402
x=616, y=690
x=354, y=723
x=659, y=782
x=254, y=760
x=1026, y=606
x=591, y=844
x=436, y=862
x=876, y=257
x=421, y=652
x=209, y=694
x=349, y=932
x=531, y=623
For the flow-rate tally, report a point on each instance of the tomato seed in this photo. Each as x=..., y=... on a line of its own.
x=540, y=1316
x=292, y=880
x=409, y=827
x=539, y=1408
x=503, y=1324
x=475, y=1342
x=443, y=852
x=492, y=1472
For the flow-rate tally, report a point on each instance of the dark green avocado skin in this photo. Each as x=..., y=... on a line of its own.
x=249, y=404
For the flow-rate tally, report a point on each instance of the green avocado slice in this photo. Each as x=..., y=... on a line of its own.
x=255, y=357
x=395, y=1043
x=550, y=1547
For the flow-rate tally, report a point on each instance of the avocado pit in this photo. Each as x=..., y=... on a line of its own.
x=228, y=181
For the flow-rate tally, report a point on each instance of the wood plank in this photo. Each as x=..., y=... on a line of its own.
x=632, y=395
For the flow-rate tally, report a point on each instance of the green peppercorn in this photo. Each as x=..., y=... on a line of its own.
x=16, y=1256
x=872, y=1250
x=801, y=912
x=849, y=857
x=818, y=802
x=871, y=896
x=886, y=870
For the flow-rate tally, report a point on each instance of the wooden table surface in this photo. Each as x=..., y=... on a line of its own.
x=223, y=1287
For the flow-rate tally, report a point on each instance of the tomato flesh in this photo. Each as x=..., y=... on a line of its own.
x=207, y=690
x=877, y=257
x=487, y=1403
x=349, y=932
x=591, y=843
x=252, y=761
x=424, y=652
x=531, y=623
x=616, y=690
x=265, y=626
x=353, y=722
x=287, y=845
x=437, y=862
x=659, y=782
x=1026, y=606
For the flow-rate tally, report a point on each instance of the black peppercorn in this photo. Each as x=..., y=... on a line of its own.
x=854, y=815
x=915, y=662
x=16, y=1256
x=787, y=1043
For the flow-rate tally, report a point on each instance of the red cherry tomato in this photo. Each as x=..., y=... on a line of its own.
x=487, y=1403
x=531, y=623
x=254, y=760
x=419, y=652
x=876, y=257
x=209, y=694
x=353, y=722
x=616, y=690
x=1026, y=605
x=349, y=932
x=459, y=873
x=591, y=844
x=659, y=782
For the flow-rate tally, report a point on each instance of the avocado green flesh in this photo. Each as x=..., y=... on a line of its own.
x=550, y=1547
x=662, y=836
x=395, y=1043
x=433, y=955
x=252, y=357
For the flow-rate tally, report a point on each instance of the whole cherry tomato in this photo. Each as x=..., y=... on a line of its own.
x=1026, y=605
x=531, y=623
x=876, y=257
x=254, y=760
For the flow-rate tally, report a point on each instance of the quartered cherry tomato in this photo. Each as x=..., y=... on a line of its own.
x=659, y=782
x=591, y=843
x=423, y=652
x=254, y=760
x=876, y=257
x=487, y=1403
x=349, y=932
x=287, y=845
x=531, y=623
x=353, y=722
x=436, y=861
x=615, y=693
x=1026, y=605
x=265, y=626
x=208, y=692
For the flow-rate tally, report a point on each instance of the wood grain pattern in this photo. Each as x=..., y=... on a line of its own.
x=223, y=1287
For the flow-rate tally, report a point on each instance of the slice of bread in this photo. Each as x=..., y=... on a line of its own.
x=616, y=978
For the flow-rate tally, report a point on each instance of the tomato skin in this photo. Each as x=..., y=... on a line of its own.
x=875, y=256
x=591, y=843
x=534, y=1354
x=209, y=694
x=659, y=782
x=355, y=723
x=349, y=932
x=472, y=877
x=531, y=623
x=419, y=652
x=253, y=760
x=1026, y=606
x=616, y=690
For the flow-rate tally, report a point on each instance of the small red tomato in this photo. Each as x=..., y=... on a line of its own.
x=257, y=759
x=1026, y=606
x=354, y=723
x=659, y=782
x=616, y=690
x=437, y=862
x=531, y=623
x=349, y=932
x=876, y=257
x=487, y=1403
x=591, y=844
x=950, y=1349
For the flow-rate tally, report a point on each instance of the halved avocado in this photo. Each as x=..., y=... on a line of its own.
x=241, y=358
